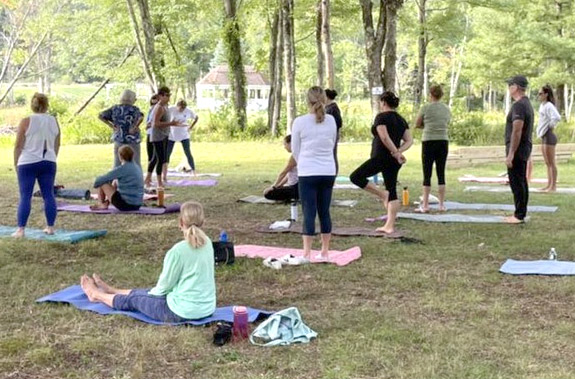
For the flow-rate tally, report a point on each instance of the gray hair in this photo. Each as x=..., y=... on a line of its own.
x=128, y=97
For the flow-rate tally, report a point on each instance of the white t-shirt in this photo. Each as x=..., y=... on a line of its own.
x=40, y=139
x=548, y=118
x=312, y=145
x=180, y=133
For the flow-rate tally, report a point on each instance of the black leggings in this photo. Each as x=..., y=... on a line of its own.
x=283, y=193
x=389, y=169
x=160, y=156
x=434, y=151
x=151, y=157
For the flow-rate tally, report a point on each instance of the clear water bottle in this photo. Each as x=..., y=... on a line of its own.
x=240, y=329
x=223, y=236
x=552, y=254
x=293, y=211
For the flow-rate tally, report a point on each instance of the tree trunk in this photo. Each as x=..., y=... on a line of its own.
x=276, y=66
x=13, y=39
x=561, y=99
x=422, y=52
x=374, y=38
x=289, y=60
x=149, y=44
x=236, y=71
x=145, y=60
x=318, y=45
x=326, y=43
x=390, y=49
x=569, y=104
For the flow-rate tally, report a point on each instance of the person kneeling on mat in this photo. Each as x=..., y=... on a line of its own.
x=285, y=188
x=186, y=289
x=128, y=193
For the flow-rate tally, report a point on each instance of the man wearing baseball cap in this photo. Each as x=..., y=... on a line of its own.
x=518, y=130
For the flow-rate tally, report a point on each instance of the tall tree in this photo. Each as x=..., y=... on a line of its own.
x=276, y=68
x=142, y=49
x=374, y=40
x=422, y=42
x=326, y=43
x=236, y=70
x=318, y=43
x=289, y=59
x=390, y=51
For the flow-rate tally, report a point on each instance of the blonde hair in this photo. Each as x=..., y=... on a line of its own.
x=128, y=97
x=39, y=103
x=316, y=100
x=192, y=217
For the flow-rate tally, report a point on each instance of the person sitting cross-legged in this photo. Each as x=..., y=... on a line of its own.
x=186, y=289
x=123, y=187
x=285, y=188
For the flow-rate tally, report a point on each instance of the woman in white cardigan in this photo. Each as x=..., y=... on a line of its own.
x=548, y=119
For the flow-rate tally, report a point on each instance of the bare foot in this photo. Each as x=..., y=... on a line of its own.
x=513, y=220
x=442, y=208
x=385, y=230
x=100, y=206
x=422, y=210
x=49, y=230
x=19, y=234
x=88, y=286
x=101, y=284
x=551, y=190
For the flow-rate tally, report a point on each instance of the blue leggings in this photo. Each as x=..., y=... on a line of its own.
x=154, y=307
x=44, y=172
x=315, y=195
x=187, y=151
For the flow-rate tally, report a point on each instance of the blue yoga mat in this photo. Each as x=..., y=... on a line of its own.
x=62, y=236
x=75, y=296
x=542, y=267
x=491, y=206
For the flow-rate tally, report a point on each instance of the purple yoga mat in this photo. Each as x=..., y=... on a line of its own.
x=175, y=207
x=189, y=182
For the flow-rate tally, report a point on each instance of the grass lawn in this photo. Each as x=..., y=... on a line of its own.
x=438, y=309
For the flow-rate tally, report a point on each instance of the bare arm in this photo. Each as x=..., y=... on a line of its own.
x=194, y=122
x=57, y=141
x=156, y=120
x=515, y=138
x=282, y=177
x=20, y=139
x=419, y=122
x=407, y=141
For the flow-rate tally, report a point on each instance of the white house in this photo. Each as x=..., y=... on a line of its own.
x=214, y=89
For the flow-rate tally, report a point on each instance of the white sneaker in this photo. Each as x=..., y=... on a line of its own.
x=270, y=262
x=321, y=259
x=290, y=260
x=302, y=260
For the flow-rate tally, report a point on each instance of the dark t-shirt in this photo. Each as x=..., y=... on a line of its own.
x=333, y=110
x=396, y=126
x=520, y=110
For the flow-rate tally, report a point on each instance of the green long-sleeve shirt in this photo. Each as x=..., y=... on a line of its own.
x=187, y=280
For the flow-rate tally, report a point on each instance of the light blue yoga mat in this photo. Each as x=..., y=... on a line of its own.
x=506, y=189
x=541, y=267
x=453, y=218
x=62, y=236
x=491, y=206
x=75, y=296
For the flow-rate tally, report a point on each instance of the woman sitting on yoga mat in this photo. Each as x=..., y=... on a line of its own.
x=186, y=288
x=434, y=118
x=313, y=140
x=35, y=151
x=129, y=192
x=389, y=130
x=285, y=188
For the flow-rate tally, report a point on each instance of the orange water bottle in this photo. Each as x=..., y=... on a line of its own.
x=405, y=196
x=160, y=192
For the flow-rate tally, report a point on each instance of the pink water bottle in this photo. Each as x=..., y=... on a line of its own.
x=241, y=328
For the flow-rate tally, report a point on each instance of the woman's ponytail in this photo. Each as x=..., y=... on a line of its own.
x=316, y=99
x=192, y=218
x=195, y=236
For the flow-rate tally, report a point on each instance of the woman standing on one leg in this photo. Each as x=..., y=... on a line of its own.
x=182, y=115
x=149, y=146
x=391, y=138
x=313, y=139
x=186, y=288
x=35, y=153
x=434, y=118
x=548, y=119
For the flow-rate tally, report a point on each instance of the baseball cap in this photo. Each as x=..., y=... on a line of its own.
x=519, y=80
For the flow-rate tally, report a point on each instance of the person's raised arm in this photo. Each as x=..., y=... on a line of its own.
x=20, y=139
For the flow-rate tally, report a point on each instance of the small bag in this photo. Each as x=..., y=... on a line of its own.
x=223, y=252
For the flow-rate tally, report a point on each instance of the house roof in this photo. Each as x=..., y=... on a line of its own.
x=219, y=76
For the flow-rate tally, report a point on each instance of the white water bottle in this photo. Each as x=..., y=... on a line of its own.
x=293, y=211
x=552, y=254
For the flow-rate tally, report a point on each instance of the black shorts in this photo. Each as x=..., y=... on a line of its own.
x=549, y=138
x=119, y=203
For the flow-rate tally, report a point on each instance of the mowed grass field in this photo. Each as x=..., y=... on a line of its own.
x=437, y=309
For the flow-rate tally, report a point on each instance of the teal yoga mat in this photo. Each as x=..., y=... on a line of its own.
x=62, y=236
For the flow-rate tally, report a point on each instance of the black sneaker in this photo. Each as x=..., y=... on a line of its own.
x=223, y=334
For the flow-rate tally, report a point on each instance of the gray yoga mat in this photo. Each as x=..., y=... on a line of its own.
x=453, y=218
x=505, y=189
x=337, y=231
x=172, y=208
x=262, y=200
x=491, y=206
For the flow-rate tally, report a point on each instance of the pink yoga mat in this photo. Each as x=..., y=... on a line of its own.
x=502, y=180
x=112, y=210
x=339, y=258
x=189, y=182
